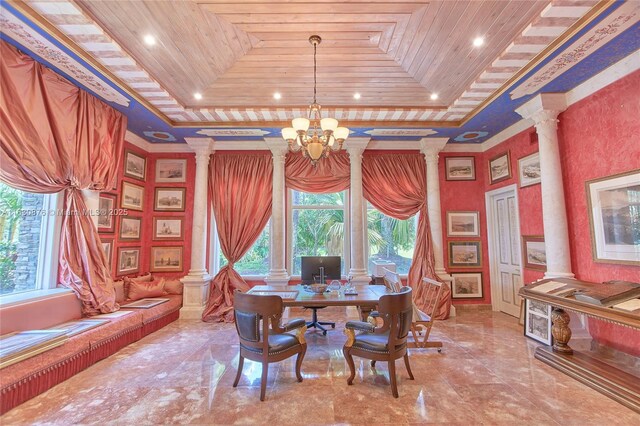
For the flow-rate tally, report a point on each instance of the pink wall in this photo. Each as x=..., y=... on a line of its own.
x=148, y=213
x=598, y=137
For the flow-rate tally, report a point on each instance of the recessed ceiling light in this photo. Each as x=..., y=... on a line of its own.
x=356, y=96
x=149, y=40
x=478, y=41
x=277, y=96
x=198, y=96
x=434, y=96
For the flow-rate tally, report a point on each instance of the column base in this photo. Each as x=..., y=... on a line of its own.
x=550, y=274
x=195, y=295
x=359, y=276
x=447, y=279
x=277, y=277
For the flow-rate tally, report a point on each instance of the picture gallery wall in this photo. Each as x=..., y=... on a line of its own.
x=149, y=228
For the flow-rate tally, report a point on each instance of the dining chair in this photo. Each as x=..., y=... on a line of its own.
x=262, y=336
x=385, y=343
x=423, y=319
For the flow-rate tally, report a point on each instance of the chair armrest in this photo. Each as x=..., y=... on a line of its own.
x=360, y=326
x=374, y=314
x=293, y=324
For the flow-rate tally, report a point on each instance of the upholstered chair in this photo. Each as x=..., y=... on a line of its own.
x=262, y=336
x=385, y=343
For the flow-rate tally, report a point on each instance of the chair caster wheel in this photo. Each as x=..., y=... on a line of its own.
x=324, y=333
x=333, y=326
x=439, y=350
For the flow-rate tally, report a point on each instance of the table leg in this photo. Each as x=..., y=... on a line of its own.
x=561, y=331
x=364, y=312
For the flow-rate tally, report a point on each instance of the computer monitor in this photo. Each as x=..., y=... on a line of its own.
x=311, y=268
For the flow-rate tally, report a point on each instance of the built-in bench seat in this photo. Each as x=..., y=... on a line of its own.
x=30, y=377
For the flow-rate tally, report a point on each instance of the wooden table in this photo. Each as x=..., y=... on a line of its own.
x=366, y=300
x=616, y=384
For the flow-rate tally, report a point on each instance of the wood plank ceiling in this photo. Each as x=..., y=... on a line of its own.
x=395, y=53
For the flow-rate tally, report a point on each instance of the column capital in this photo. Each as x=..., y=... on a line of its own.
x=356, y=146
x=431, y=147
x=201, y=146
x=277, y=146
x=543, y=107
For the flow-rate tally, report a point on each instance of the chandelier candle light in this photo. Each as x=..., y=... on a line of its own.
x=315, y=144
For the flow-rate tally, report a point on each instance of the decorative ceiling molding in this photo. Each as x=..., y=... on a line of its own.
x=79, y=26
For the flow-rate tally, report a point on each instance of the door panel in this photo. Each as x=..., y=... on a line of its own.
x=506, y=258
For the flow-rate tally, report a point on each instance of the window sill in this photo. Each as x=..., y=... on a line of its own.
x=31, y=296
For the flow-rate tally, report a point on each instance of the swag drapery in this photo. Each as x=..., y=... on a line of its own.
x=241, y=187
x=56, y=137
x=331, y=174
x=396, y=184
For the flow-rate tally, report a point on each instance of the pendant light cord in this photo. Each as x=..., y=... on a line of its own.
x=315, y=46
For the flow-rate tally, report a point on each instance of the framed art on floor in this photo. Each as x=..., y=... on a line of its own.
x=538, y=321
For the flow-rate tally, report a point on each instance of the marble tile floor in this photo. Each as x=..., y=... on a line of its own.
x=182, y=374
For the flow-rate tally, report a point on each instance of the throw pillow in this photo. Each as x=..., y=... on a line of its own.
x=173, y=286
x=121, y=296
x=140, y=290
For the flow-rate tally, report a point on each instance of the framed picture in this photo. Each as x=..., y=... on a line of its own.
x=529, y=170
x=132, y=196
x=500, y=168
x=170, y=199
x=128, y=260
x=467, y=286
x=171, y=170
x=168, y=228
x=463, y=224
x=614, y=214
x=535, y=256
x=460, y=168
x=538, y=321
x=465, y=254
x=130, y=228
x=106, y=219
x=166, y=259
x=135, y=166
x=107, y=247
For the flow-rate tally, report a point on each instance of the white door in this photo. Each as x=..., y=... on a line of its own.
x=503, y=224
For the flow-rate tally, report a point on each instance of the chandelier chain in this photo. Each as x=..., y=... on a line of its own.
x=315, y=47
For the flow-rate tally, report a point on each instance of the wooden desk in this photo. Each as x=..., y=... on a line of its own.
x=366, y=300
x=616, y=384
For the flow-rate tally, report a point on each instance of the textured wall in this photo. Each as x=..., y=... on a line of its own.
x=598, y=137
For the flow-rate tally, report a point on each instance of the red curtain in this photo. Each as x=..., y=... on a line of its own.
x=329, y=175
x=57, y=137
x=396, y=184
x=241, y=189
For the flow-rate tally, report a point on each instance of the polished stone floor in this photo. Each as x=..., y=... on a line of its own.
x=183, y=373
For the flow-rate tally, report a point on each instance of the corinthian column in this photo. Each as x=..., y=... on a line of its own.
x=196, y=283
x=544, y=110
x=355, y=147
x=277, y=270
x=431, y=148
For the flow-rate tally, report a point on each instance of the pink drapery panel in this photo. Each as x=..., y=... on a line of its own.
x=396, y=184
x=241, y=189
x=57, y=137
x=329, y=175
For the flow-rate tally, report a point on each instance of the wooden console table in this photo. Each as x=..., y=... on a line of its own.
x=616, y=384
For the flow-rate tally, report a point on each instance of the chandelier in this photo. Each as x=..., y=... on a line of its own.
x=315, y=136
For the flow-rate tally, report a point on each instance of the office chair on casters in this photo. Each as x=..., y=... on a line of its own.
x=314, y=320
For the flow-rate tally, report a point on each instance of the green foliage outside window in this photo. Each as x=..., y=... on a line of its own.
x=390, y=239
x=256, y=260
x=10, y=209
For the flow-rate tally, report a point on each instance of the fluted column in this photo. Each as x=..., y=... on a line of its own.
x=196, y=283
x=544, y=110
x=277, y=269
x=358, y=271
x=431, y=148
